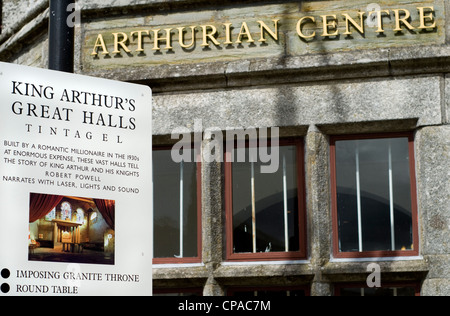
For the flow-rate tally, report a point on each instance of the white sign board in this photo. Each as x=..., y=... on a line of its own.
x=75, y=185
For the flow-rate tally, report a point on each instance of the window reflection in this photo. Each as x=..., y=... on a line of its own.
x=373, y=188
x=175, y=206
x=265, y=206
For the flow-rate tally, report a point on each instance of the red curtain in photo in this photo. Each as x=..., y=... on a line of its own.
x=42, y=204
x=107, y=209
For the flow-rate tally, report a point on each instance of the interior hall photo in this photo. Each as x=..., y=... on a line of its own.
x=71, y=229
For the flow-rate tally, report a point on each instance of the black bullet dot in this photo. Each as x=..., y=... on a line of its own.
x=5, y=288
x=5, y=273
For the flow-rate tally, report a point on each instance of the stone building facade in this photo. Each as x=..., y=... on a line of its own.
x=323, y=72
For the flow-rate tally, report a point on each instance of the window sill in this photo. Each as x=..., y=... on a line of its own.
x=377, y=259
x=409, y=268
x=176, y=265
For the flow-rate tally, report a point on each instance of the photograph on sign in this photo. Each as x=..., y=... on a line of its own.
x=76, y=230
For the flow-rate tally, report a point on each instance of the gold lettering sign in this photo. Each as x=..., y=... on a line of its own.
x=210, y=33
x=270, y=30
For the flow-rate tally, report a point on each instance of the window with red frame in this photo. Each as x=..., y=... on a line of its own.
x=265, y=212
x=178, y=292
x=273, y=291
x=374, y=196
x=176, y=208
x=389, y=289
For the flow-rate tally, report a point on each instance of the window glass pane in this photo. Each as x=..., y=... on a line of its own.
x=402, y=195
x=352, y=291
x=374, y=178
x=383, y=291
x=242, y=207
x=373, y=195
x=183, y=293
x=269, y=293
x=167, y=176
x=271, y=191
x=346, y=196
